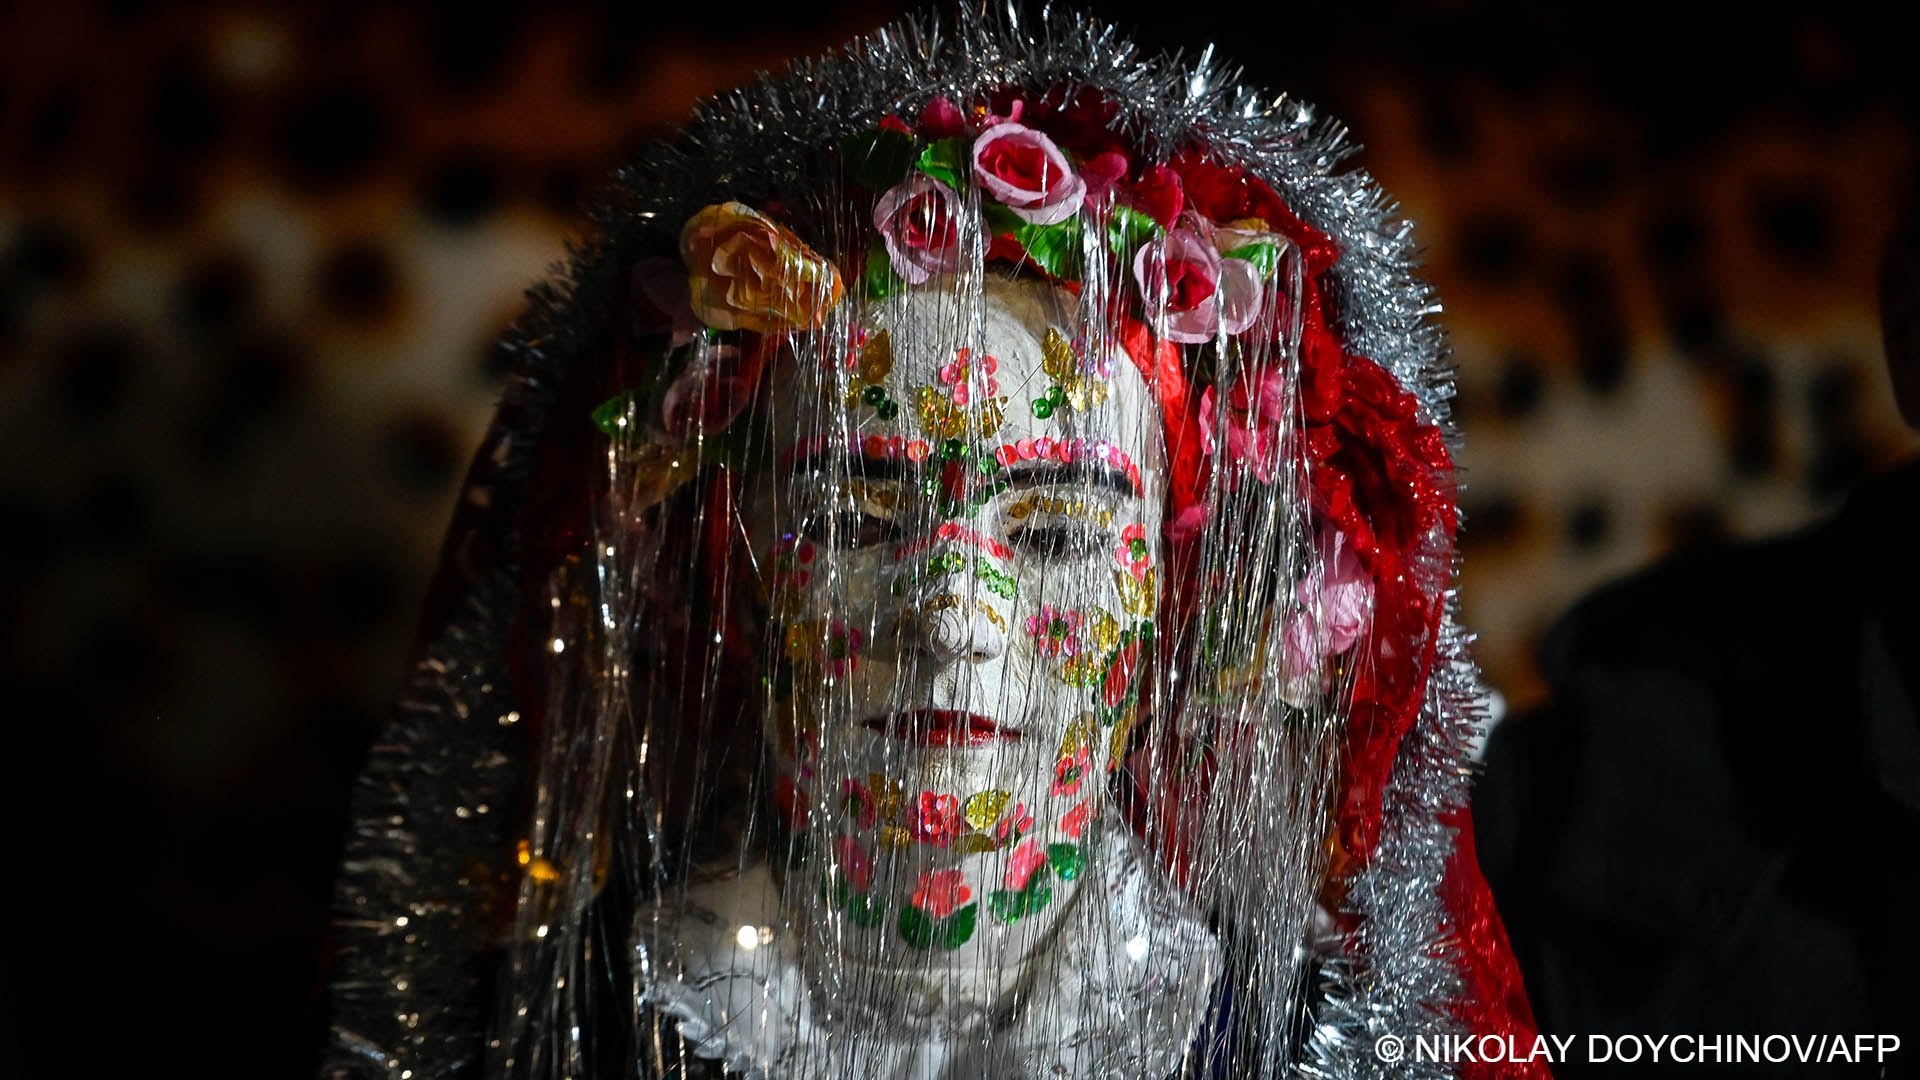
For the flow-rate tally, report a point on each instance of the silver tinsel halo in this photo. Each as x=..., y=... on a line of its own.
x=432, y=832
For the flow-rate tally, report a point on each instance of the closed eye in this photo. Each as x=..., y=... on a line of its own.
x=852, y=529
x=1064, y=541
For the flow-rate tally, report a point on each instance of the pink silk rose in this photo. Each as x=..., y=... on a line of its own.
x=706, y=397
x=1333, y=610
x=1103, y=174
x=1253, y=422
x=1191, y=294
x=1159, y=195
x=919, y=223
x=1023, y=169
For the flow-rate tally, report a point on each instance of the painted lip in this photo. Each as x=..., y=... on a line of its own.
x=942, y=728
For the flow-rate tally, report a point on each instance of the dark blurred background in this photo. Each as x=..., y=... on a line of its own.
x=252, y=258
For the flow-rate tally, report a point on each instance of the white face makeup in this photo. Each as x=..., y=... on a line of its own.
x=966, y=596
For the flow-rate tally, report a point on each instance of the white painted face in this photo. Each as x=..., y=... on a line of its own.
x=965, y=591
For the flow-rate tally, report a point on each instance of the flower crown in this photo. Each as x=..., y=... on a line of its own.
x=1210, y=255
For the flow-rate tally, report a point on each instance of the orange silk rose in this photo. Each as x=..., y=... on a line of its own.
x=747, y=272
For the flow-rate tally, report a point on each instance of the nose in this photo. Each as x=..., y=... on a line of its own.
x=956, y=626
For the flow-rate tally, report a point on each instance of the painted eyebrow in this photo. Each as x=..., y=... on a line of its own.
x=1023, y=474
x=1081, y=473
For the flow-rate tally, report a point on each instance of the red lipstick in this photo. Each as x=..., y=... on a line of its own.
x=942, y=728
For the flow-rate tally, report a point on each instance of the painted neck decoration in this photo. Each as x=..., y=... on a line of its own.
x=1127, y=978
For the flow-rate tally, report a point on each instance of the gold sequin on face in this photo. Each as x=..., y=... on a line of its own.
x=983, y=809
x=1080, y=733
x=876, y=360
x=1062, y=365
x=887, y=795
x=954, y=601
x=1074, y=507
x=1136, y=596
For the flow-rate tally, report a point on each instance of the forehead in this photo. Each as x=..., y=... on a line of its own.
x=999, y=368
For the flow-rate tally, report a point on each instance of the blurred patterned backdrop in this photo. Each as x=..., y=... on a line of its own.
x=252, y=258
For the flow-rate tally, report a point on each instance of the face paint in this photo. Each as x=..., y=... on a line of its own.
x=966, y=590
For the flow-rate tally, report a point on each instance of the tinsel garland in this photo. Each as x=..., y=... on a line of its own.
x=417, y=935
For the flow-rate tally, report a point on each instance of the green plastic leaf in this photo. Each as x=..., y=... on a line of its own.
x=866, y=910
x=956, y=931
x=1067, y=860
x=948, y=161
x=1128, y=229
x=613, y=411
x=878, y=159
x=878, y=277
x=1055, y=248
x=1266, y=257
x=1000, y=220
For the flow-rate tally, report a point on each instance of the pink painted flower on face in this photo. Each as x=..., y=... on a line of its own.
x=1133, y=551
x=1023, y=169
x=1068, y=772
x=1191, y=293
x=1021, y=864
x=1075, y=822
x=940, y=893
x=858, y=801
x=937, y=819
x=791, y=558
x=855, y=864
x=1119, y=681
x=919, y=224
x=1014, y=825
x=839, y=653
x=1055, y=632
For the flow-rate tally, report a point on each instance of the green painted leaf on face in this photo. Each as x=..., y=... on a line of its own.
x=878, y=159
x=1011, y=906
x=866, y=910
x=948, y=161
x=916, y=927
x=1067, y=860
x=1265, y=257
x=1008, y=906
x=956, y=931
